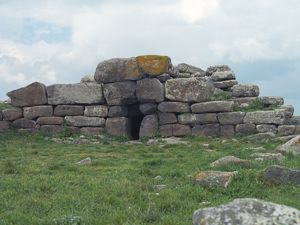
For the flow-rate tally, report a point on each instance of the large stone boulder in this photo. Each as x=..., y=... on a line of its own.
x=230, y=161
x=265, y=117
x=118, y=69
x=68, y=110
x=218, y=68
x=118, y=126
x=70, y=94
x=176, y=130
x=292, y=146
x=214, y=179
x=281, y=175
x=215, y=106
x=149, y=126
x=31, y=95
x=24, y=123
x=176, y=107
x=153, y=65
x=118, y=111
x=83, y=121
x=53, y=120
x=208, y=130
x=231, y=118
x=148, y=108
x=4, y=126
x=37, y=111
x=223, y=75
x=186, y=68
x=167, y=118
x=188, y=90
x=96, y=110
x=150, y=90
x=193, y=119
x=245, y=90
x=247, y=212
x=120, y=93
x=12, y=114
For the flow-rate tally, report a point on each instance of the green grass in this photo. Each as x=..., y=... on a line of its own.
x=42, y=184
x=4, y=105
x=256, y=105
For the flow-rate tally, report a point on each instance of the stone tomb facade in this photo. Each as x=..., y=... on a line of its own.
x=145, y=96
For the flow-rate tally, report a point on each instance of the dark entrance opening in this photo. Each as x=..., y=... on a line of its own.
x=135, y=119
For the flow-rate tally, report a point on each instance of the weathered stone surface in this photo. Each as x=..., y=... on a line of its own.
x=83, y=121
x=267, y=156
x=232, y=118
x=176, y=130
x=4, y=126
x=150, y=90
x=186, y=68
x=51, y=129
x=193, y=119
x=68, y=110
x=1, y=116
x=84, y=93
x=245, y=90
x=12, y=114
x=167, y=118
x=225, y=84
x=270, y=100
x=230, y=161
x=247, y=128
x=118, y=69
x=226, y=130
x=120, y=93
x=212, y=130
x=31, y=95
x=218, y=68
x=263, y=128
x=214, y=178
x=286, y=110
x=281, y=175
x=118, y=111
x=96, y=110
x=92, y=130
x=118, y=126
x=24, y=123
x=153, y=65
x=286, y=130
x=247, y=212
x=84, y=162
x=37, y=111
x=176, y=107
x=149, y=126
x=292, y=146
x=223, y=75
x=295, y=120
x=261, y=137
x=148, y=108
x=244, y=101
x=264, y=117
x=188, y=90
x=215, y=106
x=88, y=79
x=297, y=129
x=50, y=120
x=164, y=77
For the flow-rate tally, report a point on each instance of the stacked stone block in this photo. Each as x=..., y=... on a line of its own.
x=151, y=93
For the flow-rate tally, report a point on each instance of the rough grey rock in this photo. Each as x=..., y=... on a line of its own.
x=164, y=77
x=37, y=111
x=223, y=75
x=12, y=114
x=150, y=90
x=118, y=69
x=263, y=128
x=149, y=126
x=84, y=93
x=281, y=175
x=247, y=128
x=261, y=136
x=245, y=90
x=188, y=90
x=120, y=93
x=118, y=126
x=295, y=120
x=270, y=100
x=297, y=129
x=244, y=101
x=176, y=130
x=264, y=117
x=1, y=116
x=118, y=111
x=292, y=146
x=4, y=126
x=92, y=130
x=247, y=212
x=227, y=130
x=285, y=138
x=183, y=75
x=52, y=129
x=286, y=110
x=214, y=179
x=83, y=121
x=50, y=120
x=176, y=107
x=31, y=95
x=229, y=161
x=215, y=106
x=84, y=162
x=88, y=79
x=231, y=118
x=209, y=130
x=148, y=108
x=225, y=84
x=69, y=110
x=96, y=110
x=186, y=68
x=286, y=130
x=267, y=156
x=193, y=119
x=24, y=123
x=167, y=118
x=218, y=68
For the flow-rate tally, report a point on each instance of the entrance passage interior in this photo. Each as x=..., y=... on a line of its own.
x=135, y=119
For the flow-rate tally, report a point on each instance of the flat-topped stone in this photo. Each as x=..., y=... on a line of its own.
x=215, y=106
x=223, y=75
x=12, y=114
x=153, y=65
x=175, y=107
x=38, y=111
x=193, y=119
x=83, y=121
x=217, y=68
x=245, y=90
x=120, y=93
x=265, y=117
x=186, y=68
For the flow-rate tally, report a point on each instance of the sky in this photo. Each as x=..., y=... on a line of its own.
x=60, y=41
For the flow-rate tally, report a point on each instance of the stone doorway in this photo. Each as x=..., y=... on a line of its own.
x=135, y=117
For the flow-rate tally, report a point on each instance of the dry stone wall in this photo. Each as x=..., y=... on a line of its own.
x=147, y=95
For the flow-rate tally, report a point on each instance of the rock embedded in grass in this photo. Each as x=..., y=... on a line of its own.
x=281, y=175
x=247, y=212
x=229, y=161
x=267, y=156
x=214, y=178
x=292, y=146
x=86, y=161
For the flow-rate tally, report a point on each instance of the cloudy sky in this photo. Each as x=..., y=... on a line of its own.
x=59, y=41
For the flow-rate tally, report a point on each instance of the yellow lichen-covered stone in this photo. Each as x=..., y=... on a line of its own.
x=153, y=65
